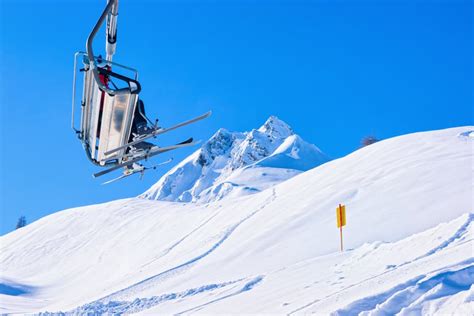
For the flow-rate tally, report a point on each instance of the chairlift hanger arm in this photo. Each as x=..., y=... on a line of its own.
x=112, y=8
x=110, y=44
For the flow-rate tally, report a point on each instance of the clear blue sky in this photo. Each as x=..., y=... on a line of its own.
x=334, y=71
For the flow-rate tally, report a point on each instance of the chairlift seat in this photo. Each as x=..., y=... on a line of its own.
x=106, y=114
x=109, y=108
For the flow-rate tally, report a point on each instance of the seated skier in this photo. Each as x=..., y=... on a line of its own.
x=140, y=125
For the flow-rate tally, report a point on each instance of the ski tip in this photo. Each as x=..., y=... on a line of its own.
x=98, y=174
x=107, y=182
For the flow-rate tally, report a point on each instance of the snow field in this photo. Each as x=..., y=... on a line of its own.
x=409, y=239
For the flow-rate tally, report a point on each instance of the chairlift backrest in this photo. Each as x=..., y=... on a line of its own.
x=109, y=122
x=106, y=115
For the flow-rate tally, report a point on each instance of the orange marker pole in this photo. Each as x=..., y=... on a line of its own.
x=342, y=249
x=340, y=228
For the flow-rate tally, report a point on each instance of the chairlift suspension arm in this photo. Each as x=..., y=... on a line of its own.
x=111, y=35
x=110, y=12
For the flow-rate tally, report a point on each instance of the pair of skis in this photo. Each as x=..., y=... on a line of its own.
x=138, y=169
x=157, y=132
x=148, y=153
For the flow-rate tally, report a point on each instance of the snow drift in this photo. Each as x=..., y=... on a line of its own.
x=409, y=241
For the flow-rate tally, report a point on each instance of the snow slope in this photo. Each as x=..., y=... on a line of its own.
x=236, y=164
x=409, y=238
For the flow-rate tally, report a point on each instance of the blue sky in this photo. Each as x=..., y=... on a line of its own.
x=335, y=71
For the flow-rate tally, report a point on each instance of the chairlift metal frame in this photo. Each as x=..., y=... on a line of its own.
x=117, y=113
x=107, y=111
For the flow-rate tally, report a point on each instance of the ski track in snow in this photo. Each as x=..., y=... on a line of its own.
x=113, y=300
x=371, y=302
x=138, y=304
x=247, y=287
x=405, y=297
x=415, y=284
x=166, y=251
x=458, y=235
x=141, y=304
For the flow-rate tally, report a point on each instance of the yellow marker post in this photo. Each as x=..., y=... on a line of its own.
x=341, y=219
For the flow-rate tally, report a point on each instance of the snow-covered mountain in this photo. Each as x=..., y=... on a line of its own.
x=236, y=164
x=408, y=240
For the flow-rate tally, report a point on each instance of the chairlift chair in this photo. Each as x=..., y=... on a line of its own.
x=109, y=96
x=109, y=103
x=107, y=111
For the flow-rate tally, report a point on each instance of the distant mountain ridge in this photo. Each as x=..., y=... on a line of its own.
x=238, y=163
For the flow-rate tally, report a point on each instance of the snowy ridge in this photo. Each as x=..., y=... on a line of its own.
x=409, y=241
x=269, y=155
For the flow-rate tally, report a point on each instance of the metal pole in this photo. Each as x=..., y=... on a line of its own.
x=90, y=53
x=111, y=32
x=342, y=248
x=74, y=92
x=340, y=228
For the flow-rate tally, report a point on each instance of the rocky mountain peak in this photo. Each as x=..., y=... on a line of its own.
x=228, y=161
x=276, y=128
x=218, y=145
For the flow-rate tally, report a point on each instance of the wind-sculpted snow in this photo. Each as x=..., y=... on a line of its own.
x=232, y=163
x=247, y=287
x=408, y=243
x=294, y=153
x=467, y=134
x=137, y=305
x=411, y=293
x=411, y=297
x=140, y=304
x=14, y=289
x=461, y=234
